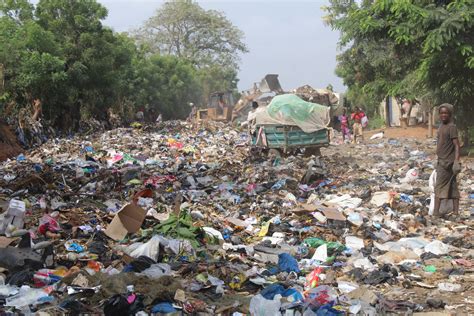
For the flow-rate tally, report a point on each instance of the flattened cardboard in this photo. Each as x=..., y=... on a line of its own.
x=364, y=294
x=127, y=220
x=6, y=241
x=334, y=214
x=236, y=222
x=305, y=208
x=309, y=207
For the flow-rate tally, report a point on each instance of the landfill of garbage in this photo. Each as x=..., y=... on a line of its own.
x=179, y=219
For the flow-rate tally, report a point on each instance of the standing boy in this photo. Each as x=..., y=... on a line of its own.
x=357, y=127
x=448, y=165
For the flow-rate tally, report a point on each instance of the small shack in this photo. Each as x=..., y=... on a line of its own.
x=392, y=111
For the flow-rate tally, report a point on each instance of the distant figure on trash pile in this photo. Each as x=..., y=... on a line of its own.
x=344, y=119
x=159, y=119
x=30, y=130
x=221, y=105
x=448, y=166
x=251, y=118
x=193, y=113
x=357, y=117
x=140, y=116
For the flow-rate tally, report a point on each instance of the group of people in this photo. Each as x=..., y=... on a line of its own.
x=141, y=117
x=359, y=120
x=448, y=164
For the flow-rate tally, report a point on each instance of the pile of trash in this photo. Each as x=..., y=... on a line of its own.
x=180, y=219
x=319, y=96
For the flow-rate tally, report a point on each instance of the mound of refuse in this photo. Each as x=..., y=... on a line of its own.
x=182, y=219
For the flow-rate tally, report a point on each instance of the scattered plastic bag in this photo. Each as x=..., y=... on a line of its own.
x=260, y=306
x=287, y=263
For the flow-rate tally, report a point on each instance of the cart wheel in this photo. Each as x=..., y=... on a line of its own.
x=312, y=151
x=274, y=153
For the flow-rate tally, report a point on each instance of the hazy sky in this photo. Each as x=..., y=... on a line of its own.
x=283, y=37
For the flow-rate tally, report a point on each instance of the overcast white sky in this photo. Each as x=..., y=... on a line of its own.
x=283, y=37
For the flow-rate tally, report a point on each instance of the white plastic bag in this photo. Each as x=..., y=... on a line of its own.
x=149, y=249
x=157, y=270
x=446, y=204
x=437, y=247
x=354, y=242
x=431, y=185
x=26, y=296
x=260, y=306
x=364, y=121
x=411, y=176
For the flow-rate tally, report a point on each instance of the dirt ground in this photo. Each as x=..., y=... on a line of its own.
x=417, y=132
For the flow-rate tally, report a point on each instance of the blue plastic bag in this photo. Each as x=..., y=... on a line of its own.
x=163, y=308
x=287, y=263
x=270, y=291
x=328, y=310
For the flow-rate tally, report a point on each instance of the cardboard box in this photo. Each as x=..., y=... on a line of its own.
x=127, y=220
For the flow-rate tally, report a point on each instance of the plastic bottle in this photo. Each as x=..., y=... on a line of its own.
x=43, y=203
x=312, y=279
x=46, y=277
x=302, y=251
x=226, y=234
x=131, y=296
x=79, y=173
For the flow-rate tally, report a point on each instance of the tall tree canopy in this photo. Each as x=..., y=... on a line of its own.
x=60, y=52
x=408, y=48
x=184, y=29
x=166, y=85
x=205, y=38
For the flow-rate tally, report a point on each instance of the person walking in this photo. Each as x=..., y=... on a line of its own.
x=357, y=126
x=344, y=119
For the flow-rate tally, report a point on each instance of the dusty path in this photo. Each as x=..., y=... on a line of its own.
x=417, y=132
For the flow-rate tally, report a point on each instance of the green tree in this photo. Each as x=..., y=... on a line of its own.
x=166, y=85
x=17, y=10
x=28, y=53
x=204, y=37
x=410, y=48
x=216, y=78
x=93, y=57
x=60, y=52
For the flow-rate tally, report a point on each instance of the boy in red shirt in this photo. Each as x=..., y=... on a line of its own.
x=357, y=127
